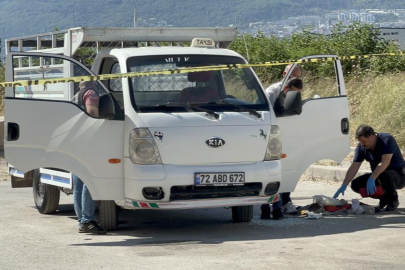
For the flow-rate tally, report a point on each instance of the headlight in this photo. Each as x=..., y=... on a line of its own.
x=145, y=150
x=274, y=145
x=142, y=147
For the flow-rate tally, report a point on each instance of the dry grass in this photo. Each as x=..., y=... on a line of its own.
x=378, y=101
x=239, y=90
x=326, y=162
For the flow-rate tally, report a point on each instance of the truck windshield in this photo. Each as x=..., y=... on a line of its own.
x=213, y=90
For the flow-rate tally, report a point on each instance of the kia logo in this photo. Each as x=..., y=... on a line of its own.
x=215, y=142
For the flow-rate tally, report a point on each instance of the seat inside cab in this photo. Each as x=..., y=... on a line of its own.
x=201, y=92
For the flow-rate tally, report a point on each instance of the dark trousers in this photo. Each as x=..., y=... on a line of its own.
x=389, y=180
x=285, y=197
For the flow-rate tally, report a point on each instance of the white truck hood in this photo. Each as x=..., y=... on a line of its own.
x=194, y=138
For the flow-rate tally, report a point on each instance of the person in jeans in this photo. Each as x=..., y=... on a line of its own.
x=387, y=166
x=88, y=99
x=285, y=204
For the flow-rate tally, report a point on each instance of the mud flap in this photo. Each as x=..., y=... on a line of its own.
x=20, y=179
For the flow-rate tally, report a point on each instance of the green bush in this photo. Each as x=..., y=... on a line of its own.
x=356, y=39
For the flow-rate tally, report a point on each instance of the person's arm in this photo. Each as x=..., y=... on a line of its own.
x=92, y=110
x=91, y=100
x=382, y=166
x=272, y=98
x=351, y=172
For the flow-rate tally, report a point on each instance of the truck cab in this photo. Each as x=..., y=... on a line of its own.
x=194, y=136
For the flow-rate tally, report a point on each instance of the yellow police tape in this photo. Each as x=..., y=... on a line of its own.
x=191, y=69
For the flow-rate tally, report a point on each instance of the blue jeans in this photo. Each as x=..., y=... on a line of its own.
x=83, y=203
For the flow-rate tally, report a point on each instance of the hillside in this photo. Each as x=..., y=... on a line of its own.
x=24, y=17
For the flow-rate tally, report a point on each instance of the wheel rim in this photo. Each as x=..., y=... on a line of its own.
x=40, y=193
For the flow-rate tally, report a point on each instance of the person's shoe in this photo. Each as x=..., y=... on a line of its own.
x=383, y=203
x=289, y=208
x=82, y=228
x=392, y=205
x=277, y=214
x=94, y=228
x=265, y=213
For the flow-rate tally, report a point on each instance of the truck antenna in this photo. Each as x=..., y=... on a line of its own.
x=74, y=21
x=135, y=19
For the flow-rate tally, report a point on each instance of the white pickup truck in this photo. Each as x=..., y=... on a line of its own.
x=180, y=141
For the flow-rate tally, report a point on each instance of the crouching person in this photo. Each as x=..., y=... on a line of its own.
x=387, y=166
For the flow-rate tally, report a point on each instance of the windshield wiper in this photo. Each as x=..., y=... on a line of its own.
x=184, y=105
x=250, y=111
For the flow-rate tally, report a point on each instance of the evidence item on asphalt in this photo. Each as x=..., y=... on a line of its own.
x=186, y=140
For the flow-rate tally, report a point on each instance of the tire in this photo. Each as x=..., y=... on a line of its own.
x=242, y=213
x=108, y=215
x=46, y=197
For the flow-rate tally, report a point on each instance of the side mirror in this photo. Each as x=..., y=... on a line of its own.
x=279, y=105
x=106, y=109
x=292, y=103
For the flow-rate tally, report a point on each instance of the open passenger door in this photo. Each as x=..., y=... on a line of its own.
x=45, y=129
x=321, y=131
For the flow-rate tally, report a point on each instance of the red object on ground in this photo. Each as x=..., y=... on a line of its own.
x=332, y=208
x=378, y=193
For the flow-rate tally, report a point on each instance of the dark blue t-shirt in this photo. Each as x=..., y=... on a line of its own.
x=386, y=144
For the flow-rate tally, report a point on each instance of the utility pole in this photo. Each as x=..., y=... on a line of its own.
x=135, y=19
x=74, y=21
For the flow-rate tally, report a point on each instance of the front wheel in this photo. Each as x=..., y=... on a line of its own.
x=46, y=197
x=242, y=213
x=108, y=212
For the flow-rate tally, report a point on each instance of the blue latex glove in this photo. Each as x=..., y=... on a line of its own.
x=341, y=190
x=371, y=188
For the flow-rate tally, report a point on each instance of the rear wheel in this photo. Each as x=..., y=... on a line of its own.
x=46, y=197
x=108, y=212
x=242, y=213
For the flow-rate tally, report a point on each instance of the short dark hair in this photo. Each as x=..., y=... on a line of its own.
x=364, y=130
x=296, y=82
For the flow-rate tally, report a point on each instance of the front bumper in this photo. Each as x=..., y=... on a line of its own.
x=169, y=177
x=192, y=204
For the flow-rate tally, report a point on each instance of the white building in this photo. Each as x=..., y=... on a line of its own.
x=342, y=17
x=396, y=35
x=354, y=17
x=367, y=18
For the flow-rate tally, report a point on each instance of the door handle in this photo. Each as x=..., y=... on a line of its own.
x=13, y=131
x=345, y=126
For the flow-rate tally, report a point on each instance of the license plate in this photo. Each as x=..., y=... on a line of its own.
x=219, y=179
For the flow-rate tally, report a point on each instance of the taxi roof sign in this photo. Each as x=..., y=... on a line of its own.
x=203, y=42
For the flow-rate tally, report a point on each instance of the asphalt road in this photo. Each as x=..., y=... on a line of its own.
x=200, y=239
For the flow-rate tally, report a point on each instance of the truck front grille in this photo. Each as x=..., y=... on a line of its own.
x=192, y=192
